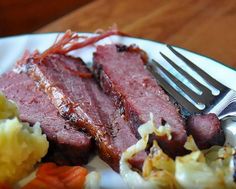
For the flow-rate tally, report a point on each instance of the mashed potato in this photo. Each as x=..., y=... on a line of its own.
x=21, y=146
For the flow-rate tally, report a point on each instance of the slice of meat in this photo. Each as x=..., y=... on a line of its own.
x=67, y=144
x=206, y=130
x=122, y=74
x=81, y=101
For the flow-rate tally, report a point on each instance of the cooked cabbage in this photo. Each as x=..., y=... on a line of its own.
x=161, y=178
x=211, y=168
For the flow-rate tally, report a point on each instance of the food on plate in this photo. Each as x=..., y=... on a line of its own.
x=206, y=130
x=68, y=145
x=83, y=103
x=211, y=168
x=77, y=105
x=21, y=147
x=49, y=175
x=78, y=98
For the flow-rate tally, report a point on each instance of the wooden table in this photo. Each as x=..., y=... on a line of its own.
x=204, y=26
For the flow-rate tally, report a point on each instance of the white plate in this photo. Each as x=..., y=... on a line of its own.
x=11, y=49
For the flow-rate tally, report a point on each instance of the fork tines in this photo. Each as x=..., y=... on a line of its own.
x=210, y=80
x=205, y=98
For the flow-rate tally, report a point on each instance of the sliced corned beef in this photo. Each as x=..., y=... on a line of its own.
x=81, y=101
x=68, y=145
x=206, y=130
x=122, y=74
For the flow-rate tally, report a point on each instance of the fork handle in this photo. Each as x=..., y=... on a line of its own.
x=226, y=107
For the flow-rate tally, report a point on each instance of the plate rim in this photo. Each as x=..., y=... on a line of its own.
x=131, y=37
x=128, y=37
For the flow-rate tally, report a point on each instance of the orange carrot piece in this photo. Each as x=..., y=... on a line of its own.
x=51, y=176
x=45, y=183
x=46, y=168
x=52, y=169
x=76, y=178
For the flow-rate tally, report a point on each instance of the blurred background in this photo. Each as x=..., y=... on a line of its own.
x=25, y=16
x=207, y=27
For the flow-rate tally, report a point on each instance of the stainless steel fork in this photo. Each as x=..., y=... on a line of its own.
x=222, y=104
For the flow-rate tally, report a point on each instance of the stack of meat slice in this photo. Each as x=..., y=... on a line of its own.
x=111, y=117
x=68, y=145
x=79, y=99
x=123, y=76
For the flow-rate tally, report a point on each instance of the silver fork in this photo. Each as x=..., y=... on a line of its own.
x=222, y=104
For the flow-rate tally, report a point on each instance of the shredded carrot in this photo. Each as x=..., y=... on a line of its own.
x=69, y=42
x=92, y=40
x=66, y=43
x=59, y=45
x=51, y=176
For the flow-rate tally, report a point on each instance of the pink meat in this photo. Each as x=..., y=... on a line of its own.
x=206, y=130
x=123, y=76
x=82, y=102
x=68, y=145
